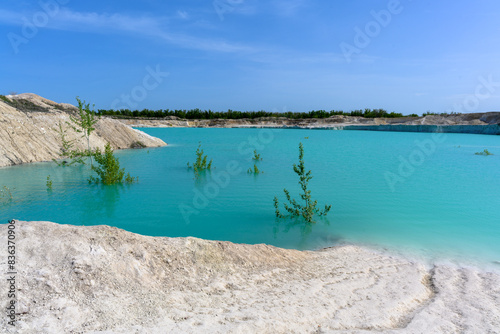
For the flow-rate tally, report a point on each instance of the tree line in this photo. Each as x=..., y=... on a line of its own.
x=234, y=114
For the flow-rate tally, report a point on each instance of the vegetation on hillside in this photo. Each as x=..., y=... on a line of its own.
x=23, y=105
x=108, y=167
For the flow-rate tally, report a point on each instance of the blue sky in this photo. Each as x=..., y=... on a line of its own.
x=295, y=55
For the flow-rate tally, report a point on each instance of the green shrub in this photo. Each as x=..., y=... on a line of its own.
x=5, y=99
x=201, y=162
x=108, y=169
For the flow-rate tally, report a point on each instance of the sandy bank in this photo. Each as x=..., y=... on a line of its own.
x=29, y=132
x=102, y=279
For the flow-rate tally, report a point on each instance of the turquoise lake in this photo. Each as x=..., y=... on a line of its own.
x=422, y=194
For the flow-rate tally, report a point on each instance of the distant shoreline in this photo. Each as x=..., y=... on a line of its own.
x=487, y=123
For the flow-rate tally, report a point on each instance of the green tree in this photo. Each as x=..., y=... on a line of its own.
x=296, y=209
x=85, y=121
x=67, y=150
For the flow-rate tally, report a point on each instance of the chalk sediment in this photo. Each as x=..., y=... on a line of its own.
x=101, y=279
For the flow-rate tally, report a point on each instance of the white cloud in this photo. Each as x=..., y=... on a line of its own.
x=182, y=14
x=288, y=7
x=150, y=27
x=9, y=17
x=71, y=20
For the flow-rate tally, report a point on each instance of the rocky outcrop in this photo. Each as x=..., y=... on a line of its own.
x=100, y=279
x=172, y=121
x=29, y=126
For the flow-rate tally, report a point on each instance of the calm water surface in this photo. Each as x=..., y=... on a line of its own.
x=423, y=194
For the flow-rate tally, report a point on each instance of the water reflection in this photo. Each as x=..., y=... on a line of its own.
x=101, y=200
x=308, y=233
x=5, y=196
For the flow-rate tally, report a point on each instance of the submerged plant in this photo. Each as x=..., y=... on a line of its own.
x=255, y=170
x=49, y=183
x=108, y=168
x=256, y=156
x=5, y=194
x=485, y=152
x=296, y=209
x=201, y=162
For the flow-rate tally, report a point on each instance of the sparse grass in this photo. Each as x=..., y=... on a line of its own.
x=137, y=144
x=59, y=107
x=5, y=99
x=23, y=104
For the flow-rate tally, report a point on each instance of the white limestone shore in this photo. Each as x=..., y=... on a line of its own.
x=101, y=279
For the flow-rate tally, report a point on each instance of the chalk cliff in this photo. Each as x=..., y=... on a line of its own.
x=29, y=131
